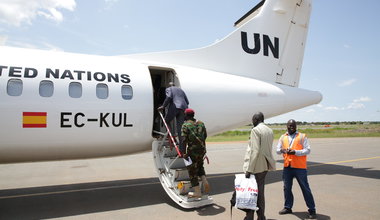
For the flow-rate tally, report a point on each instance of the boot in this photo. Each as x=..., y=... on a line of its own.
x=206, y=186
x=196, y=194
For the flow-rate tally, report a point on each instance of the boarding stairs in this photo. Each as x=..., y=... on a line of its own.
x=172, y=171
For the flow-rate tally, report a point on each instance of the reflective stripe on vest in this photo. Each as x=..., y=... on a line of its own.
x=297, y=144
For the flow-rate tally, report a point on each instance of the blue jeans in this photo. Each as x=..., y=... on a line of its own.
x=301, y=175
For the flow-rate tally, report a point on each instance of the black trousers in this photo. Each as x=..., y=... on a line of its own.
x=179, y=114
x=260, y=180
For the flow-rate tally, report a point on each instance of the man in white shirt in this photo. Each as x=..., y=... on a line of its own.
x=294, y=147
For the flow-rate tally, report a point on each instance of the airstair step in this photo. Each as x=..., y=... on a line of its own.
x=183, y=187
x=177, y=163
x=167, y=152
x=180, y=174
x=174, y=178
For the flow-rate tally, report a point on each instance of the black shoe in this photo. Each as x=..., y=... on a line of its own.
x=285, y=211
x=312, y=216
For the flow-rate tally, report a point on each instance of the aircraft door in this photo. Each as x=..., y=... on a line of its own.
x=160, y=81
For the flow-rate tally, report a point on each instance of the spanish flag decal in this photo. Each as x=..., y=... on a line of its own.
x=34, y=119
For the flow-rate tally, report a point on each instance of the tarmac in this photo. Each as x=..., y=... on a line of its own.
x=344, y=176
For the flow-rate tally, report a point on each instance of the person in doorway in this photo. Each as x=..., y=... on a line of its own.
x=177, y=102
x=259, y=160
x=194, y=136
x=294, y=147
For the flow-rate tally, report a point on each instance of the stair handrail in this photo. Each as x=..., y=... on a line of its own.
x=170, y=134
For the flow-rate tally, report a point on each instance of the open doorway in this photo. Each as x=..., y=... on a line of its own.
x=160, y=80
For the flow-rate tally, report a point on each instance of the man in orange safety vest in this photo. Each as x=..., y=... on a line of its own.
x=294, y=147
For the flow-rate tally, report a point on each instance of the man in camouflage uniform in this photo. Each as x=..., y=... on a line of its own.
x=194, y=138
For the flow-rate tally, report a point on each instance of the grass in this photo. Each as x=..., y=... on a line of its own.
x=312, y=131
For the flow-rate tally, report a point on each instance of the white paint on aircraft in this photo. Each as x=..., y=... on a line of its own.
x=57, y=105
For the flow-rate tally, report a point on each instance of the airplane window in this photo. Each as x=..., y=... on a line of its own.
x=14, y=87
x=75, y=90
x=46, y=88
x=126, y=92
x=102, y=91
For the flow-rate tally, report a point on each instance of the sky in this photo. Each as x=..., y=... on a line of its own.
x=341, y=55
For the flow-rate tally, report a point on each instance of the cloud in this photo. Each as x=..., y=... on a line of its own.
x=355, y=105
x=347, y=82
x=16, y=12
x=3, y=39
x=110, y=4
x=21, y=44
x=363, y=99
x=332, y=108
x=37, y=45
x=52, y=47
x=111, y=1
x=347, y=46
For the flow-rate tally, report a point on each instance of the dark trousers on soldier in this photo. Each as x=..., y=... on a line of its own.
x=179, y=114
x=196, y=169
x=260, y=180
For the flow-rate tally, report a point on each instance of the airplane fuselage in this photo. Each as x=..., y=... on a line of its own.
x=57, y=105
x=67, y=106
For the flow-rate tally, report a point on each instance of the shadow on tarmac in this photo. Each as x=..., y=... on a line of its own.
x=304, y=215
x=76, y=199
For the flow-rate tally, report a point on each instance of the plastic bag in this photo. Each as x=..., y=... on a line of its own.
x=246, y=192
x=187, y=161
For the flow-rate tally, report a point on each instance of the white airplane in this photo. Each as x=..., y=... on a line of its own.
x=60, y=106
